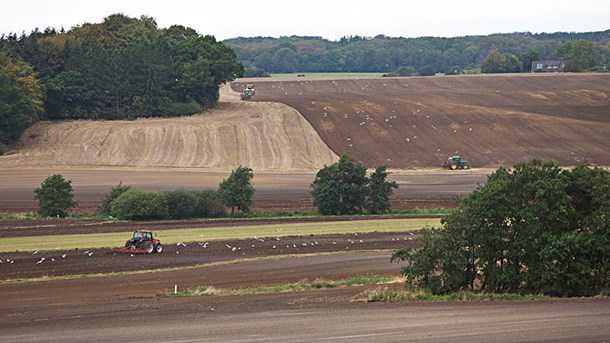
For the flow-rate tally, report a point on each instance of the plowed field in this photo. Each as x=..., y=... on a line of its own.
x=491, y=120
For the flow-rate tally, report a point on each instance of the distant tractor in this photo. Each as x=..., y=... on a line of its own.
x=247, y=93
x=456, y=162
x=142, y=242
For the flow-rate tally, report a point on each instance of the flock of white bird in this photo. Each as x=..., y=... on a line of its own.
x=253, y=245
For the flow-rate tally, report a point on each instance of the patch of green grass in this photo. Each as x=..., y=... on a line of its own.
x=420, y=295
x=20, y=216
x=303, y=285
x=108, y=240
x=287, y=75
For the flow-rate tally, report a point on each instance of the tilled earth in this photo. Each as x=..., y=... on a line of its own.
x=34, y=264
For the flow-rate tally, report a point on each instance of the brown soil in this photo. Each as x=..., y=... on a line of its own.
x=491, y=120
x=92, y=261
x=263, y=136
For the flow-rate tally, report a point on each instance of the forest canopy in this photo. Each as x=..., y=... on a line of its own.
x=121, y=68
x=385, y=54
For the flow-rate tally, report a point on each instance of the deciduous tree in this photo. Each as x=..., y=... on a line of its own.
x=55, y=197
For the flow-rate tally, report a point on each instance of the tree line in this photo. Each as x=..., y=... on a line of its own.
x=338, y=189
x=407, y=56
x=121, y=68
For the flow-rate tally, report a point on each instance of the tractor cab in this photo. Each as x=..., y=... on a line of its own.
x=456, y=162
x=142, y=234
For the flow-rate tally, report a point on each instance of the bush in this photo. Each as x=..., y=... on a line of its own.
x=427, y=71
x=208, y=204
x=55, y=197
x=179, y=203
x=139, y=204
x=106, y=207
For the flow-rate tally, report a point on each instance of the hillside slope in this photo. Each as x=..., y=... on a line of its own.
x=264, y=136
x=491, y=120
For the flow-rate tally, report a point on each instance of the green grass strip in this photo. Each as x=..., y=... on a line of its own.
x=167, y=237
x=303, y=285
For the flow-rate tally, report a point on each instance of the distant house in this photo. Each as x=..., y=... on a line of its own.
x=548, y=66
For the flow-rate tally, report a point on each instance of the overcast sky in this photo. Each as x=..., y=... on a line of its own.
x=326, y=18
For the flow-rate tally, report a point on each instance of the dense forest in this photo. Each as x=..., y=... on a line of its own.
x=409, y=56
x=122, y=68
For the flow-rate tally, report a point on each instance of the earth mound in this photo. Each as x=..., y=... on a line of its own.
x=491, y=120
x=263, y=136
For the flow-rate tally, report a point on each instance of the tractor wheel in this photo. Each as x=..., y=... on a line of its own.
x=158, y=248
x=453, y=166
x=466, y=167
x=148, y=247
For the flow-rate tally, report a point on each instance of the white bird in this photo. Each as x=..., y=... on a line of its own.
x=253, y=245
x=180, y=244
x=52, y=260
x=274, y=247
x=41, y=260
x=233, y=249
x=228, y=246
x=63, y=256
x=35, y=252
x=86, y=252
x=91, y=253
x=334, y=242
x=177, y=252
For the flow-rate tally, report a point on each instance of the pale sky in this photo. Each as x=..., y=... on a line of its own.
x=326, y=18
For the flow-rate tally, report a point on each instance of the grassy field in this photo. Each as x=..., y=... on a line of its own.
x=329, y=75
x=108, y=240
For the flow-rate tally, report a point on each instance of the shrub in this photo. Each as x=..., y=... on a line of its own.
x=139, y=204
x=106, y=207
x=55, y=197
x=208, y=204
x=179, y=203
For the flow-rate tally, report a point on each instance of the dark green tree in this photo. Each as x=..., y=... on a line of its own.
x=115, y=192
x=237, y=191
x=527, y=58
x=581, y=55
x=380, y=190
x=549, y=237
x=427, y=70
x=55, y=197
x=340, y=188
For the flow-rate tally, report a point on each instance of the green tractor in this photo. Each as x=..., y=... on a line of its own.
x=456, y=162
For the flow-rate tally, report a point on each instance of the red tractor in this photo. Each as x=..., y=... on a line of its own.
x=141, y=242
